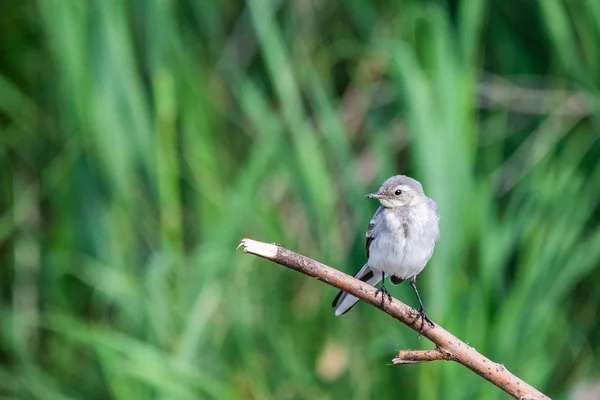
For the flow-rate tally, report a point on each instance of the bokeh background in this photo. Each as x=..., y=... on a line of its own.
x=141, y=140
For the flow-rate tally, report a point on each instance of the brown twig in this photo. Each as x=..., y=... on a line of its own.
x=449, y=347
x=419, y=356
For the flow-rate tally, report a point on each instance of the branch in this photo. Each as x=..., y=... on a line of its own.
x=418, y=356
x=495, y=91
x=448, y=346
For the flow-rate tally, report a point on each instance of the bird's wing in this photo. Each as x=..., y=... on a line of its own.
x=371, y=230
x=368, y=240
x=343, y=302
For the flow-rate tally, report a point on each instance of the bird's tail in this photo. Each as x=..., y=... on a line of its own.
x=343, y=302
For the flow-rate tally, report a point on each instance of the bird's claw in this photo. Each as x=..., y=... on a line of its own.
x=424, y=318
x=384, y=292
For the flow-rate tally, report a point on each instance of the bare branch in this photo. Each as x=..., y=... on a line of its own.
x=494, y=93
x=418, y=356
x=448, y=346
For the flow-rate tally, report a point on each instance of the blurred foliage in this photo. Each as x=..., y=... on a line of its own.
x=141, y=140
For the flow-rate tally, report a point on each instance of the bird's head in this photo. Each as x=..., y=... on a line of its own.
x=399, y=191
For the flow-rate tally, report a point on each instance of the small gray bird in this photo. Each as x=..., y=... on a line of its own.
x=399, y=241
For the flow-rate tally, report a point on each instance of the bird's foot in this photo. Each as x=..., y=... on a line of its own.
x=423, y=316
x=384, y=292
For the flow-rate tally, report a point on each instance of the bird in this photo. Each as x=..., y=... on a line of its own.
x=399, y=242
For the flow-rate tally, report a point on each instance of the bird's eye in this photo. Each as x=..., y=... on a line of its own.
x=398, y=192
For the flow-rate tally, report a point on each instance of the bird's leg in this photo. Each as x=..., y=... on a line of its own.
x=383, y=290
x=422, y=313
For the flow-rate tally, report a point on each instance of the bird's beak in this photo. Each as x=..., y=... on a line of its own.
x=374, y=196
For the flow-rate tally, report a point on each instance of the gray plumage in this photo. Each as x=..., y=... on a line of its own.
x=400, y=238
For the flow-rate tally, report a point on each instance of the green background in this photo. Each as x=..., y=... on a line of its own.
x=141, y=140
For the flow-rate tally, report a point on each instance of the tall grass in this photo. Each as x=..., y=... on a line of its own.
x=142, y=140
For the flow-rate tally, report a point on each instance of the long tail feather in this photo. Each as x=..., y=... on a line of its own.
x=343, y=302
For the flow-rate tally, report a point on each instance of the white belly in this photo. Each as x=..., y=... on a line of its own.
x=400, y=254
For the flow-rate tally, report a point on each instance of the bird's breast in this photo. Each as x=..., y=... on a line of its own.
x=405, y=242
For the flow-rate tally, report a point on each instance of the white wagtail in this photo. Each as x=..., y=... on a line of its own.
x=399, y=241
